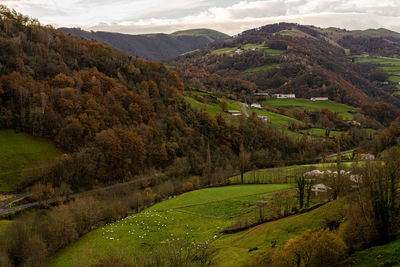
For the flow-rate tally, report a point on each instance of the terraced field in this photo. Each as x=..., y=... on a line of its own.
x=20, y=152
x=197, y=217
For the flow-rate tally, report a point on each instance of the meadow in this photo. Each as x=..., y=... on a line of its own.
x=198, y=217
x=283, y=174
x=239, y=248
x=305, y=104
x=230, y=51
x=20, y=152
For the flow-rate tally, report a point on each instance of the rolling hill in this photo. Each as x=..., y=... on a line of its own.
x=304, y=60
x=156, y=47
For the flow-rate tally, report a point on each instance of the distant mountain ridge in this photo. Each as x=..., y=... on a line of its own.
x=156, y=47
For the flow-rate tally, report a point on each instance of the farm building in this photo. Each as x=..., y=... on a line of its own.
x=260, y=96
x=319, y=188
x=263, y=118
x=255, y=105
x=234, y=112
x=319, y=98
x=369, y=157
x=285, y=96
x=353, y=123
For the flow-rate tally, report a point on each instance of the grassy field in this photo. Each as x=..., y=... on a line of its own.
x=197, y=216
x=233, y=250
x=342, y=109
x=272, y=175
x=18, y=152
x=247, y=47
x=387, y=255
x=266, y=67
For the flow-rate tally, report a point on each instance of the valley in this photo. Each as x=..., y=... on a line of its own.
x=276, y=146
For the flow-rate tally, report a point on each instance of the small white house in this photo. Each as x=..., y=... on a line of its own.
x=319, y=98
x=285, y=96
x=255, y=105
x=263, y=118
x=235, y=112
x=319, y=188
x=369, y=157
x=238, y=51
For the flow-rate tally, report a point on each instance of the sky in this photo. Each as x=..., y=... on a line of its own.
x=228, y=16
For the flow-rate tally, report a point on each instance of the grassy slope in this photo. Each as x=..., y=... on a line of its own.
x=266, y=67
x=387, y=255
x=389, y=65
x=196, y=216
x=233, y=250
x=201, y=32
x=268, y=175
x=312, y=105
x=247, y=47
x=19, y=151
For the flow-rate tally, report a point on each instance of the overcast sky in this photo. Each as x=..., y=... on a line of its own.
x=229, y=16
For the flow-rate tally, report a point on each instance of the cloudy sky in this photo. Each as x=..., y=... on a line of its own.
x=229, y=16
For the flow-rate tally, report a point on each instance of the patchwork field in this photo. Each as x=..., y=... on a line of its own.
x=19, y=152
x=197, y=217
x=305, y=104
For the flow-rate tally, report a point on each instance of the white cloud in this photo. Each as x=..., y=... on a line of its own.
x=143, y=16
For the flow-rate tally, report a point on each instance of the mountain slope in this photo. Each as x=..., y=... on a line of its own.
x=156, y=47
x=293, y=58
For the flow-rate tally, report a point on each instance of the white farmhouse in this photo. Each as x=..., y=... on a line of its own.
x=319, y=98
x=255, y=105
x=285, y=96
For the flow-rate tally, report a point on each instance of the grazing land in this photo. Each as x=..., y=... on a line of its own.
x=305, y=104
x=234, y=249
x=19, y=152
x=280, y=174
x=197, y=216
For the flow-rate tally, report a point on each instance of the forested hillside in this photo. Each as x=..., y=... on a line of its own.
x=117, y=116
x=291, y=58
x=153, y=46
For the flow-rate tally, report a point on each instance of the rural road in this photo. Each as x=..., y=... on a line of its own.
x=4, y=211
x=245, y=110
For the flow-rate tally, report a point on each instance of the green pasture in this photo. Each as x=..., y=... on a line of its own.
x=234, y=249
x=305, y=104
x=19, y=152
x=198, y=216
